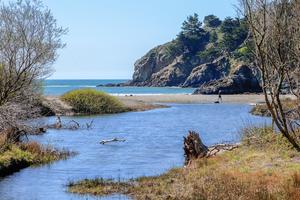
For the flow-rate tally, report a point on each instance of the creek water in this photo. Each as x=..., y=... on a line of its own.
x=154, y=141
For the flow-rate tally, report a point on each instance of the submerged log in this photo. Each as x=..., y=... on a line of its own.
x=112, y=140
x=193, y=147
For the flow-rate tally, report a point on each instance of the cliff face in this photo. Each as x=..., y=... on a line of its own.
x=158, y=69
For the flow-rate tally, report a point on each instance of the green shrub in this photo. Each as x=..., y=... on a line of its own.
x=89, y=101
x=209, y=54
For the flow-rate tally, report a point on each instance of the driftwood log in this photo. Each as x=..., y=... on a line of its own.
x=71, y=125
x=219, y=148
x=195, y=149
x=112, y=140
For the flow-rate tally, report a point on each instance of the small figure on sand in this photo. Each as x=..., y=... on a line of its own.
x=220, y=96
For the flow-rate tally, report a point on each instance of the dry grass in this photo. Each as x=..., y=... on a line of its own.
x=253, y=171
x=98, y=186
x=262, y=109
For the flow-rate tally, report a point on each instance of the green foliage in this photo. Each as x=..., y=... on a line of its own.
x=243, y=50
x=193, y=36
x=174, y=48
x=89, y=101
x=211, y=41
x=14, y=154
x=235, y=31
x=244, y=53
x=209, y=54
x=213, y=37
x=212, y=21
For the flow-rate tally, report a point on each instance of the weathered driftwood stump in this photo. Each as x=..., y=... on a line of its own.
x=193, y=147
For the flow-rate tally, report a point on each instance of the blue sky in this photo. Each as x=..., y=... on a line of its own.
x=106, y=37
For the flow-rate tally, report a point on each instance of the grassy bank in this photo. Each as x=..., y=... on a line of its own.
x=18, y=156
x=262, y=109
x=264, y=167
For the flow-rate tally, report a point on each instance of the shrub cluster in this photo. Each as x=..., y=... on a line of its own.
x=89, y=101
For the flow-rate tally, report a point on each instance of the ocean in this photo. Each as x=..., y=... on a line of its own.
x=59, y=87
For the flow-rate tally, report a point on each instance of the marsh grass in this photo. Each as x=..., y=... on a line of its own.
x=18, y=156
x=99, y=186
x=89, y=101
x=264, y=167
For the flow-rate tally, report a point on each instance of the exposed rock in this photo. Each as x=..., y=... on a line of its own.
x=173, y=74
x=207, y=72
x=242, y=80
x=153, y=62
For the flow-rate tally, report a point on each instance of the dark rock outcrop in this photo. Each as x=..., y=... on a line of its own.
x=207, y=72
x=242, y=80
x=159, y=67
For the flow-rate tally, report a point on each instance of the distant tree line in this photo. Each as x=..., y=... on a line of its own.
x=213, y=37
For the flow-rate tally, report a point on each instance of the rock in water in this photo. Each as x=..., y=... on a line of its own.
x=193, y=147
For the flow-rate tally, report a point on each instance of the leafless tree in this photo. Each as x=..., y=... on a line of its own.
x=29, y=40
x=275, y=30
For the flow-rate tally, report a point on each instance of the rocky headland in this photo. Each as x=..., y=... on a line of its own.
x=210, y=56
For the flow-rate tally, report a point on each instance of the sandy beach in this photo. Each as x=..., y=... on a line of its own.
x=194, y=99
x=149, y=102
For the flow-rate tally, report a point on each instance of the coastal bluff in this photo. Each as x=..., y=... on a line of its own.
x=204, y=56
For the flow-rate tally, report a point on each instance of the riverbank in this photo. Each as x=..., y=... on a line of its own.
x=196, y=99
x=21, y=155
x=288, y=106
x=53, y=105
x=264, y=167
